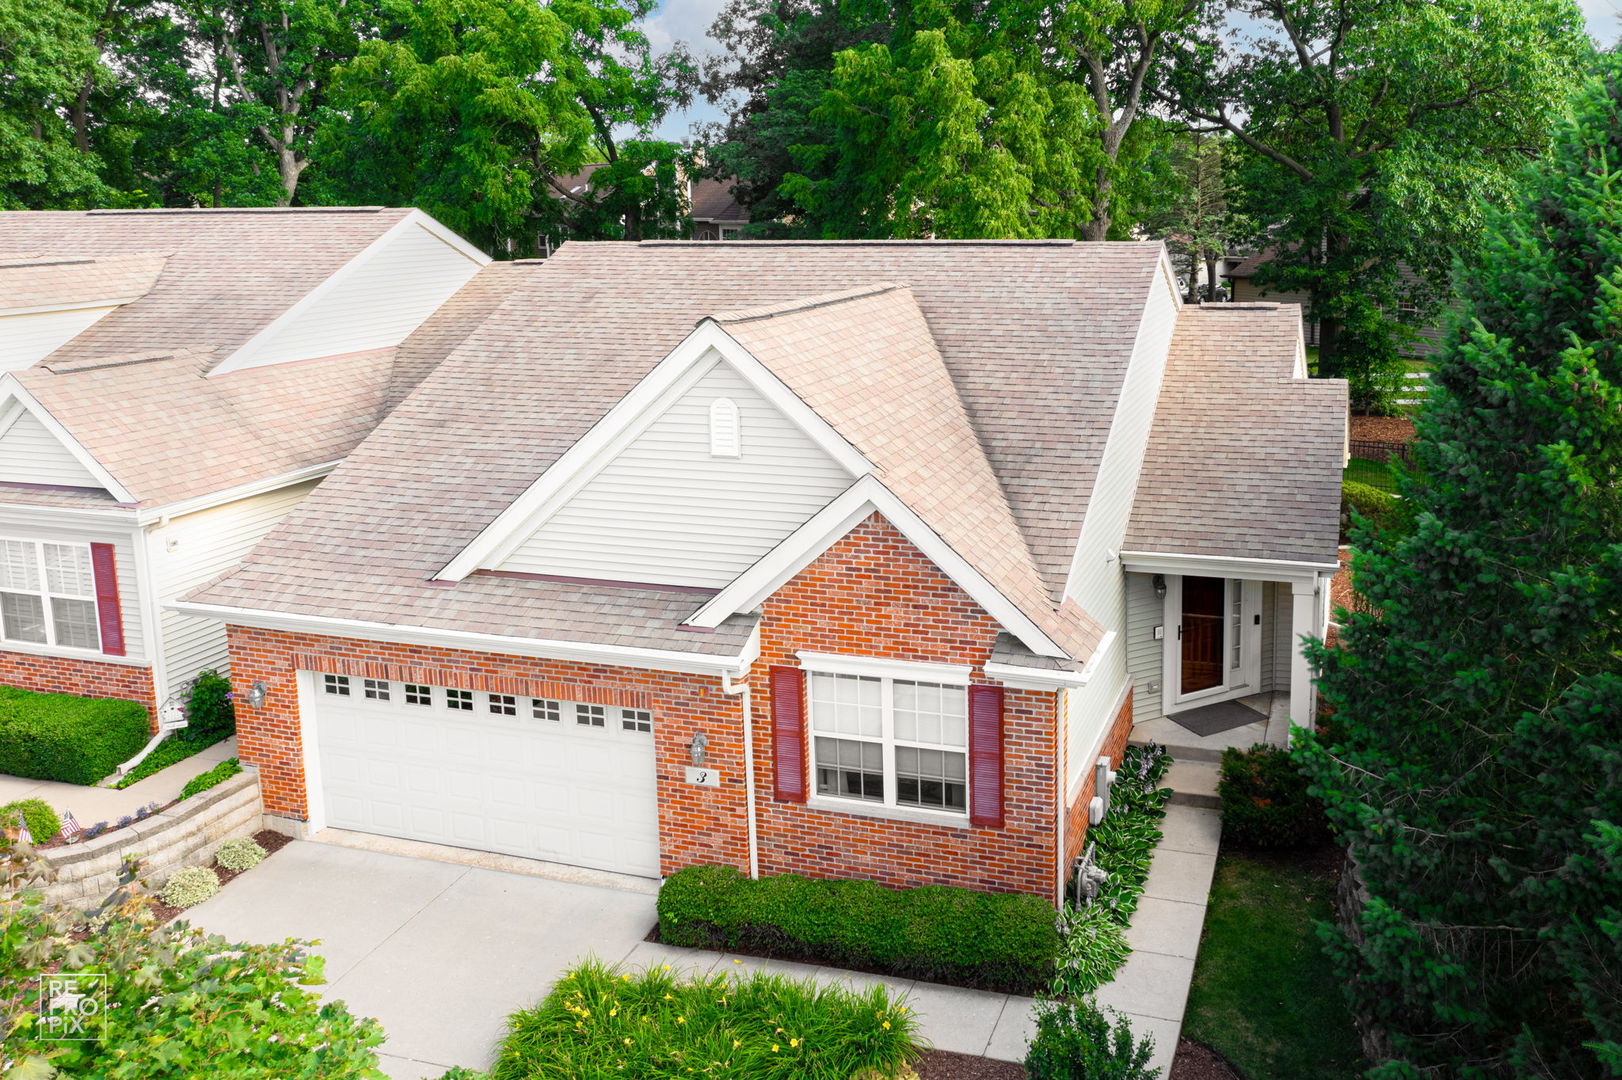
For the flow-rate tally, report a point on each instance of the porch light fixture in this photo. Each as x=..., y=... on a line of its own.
x=696, y=749
x=256, y=695
x=1160, y=586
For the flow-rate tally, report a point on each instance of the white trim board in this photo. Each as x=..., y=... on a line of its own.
x=698, y=353
x=880, y=668
x=1154, y=562
x=13, y=394
x=863, y=498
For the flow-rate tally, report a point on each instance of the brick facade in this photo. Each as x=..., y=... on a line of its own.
x=871, y=594
x=72, y=675
x=1075, y=817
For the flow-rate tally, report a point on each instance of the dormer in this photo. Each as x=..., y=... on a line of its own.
x=372, y=302
x=47, y=301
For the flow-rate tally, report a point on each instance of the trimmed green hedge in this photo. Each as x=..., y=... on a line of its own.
x=77, y=740
x=993, y=941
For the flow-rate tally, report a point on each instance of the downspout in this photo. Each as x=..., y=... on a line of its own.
x=742, y=692
x=1062, y=784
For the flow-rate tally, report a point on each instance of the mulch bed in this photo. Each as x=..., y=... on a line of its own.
x=944, y=1065
x=269, y=839
x=1383, y=428
x=1196, y=1061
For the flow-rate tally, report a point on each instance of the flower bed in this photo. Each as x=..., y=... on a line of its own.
x=598, y=1022
x=1094, y=935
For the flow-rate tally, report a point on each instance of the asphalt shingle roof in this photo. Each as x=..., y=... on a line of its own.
x=51, y=281
x=1243, y=460
x=1035, y=337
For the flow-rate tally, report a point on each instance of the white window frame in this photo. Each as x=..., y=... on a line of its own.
x=48, y=599
x=888, y=672
x=336, y=685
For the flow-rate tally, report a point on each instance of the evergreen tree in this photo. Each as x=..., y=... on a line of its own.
x=1474, y=763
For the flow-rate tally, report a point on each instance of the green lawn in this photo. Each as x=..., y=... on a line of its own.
x=1373, y=473
x=1263, y=991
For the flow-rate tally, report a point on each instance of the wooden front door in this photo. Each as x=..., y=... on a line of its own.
x=1204, y=607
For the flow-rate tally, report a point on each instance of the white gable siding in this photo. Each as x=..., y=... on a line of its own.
x=27, y=339
x=194, y=549
x=124, y=564
x=665, y=511
x=374, y=303
x=29, y=454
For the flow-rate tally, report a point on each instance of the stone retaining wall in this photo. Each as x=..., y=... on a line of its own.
x=186, y=834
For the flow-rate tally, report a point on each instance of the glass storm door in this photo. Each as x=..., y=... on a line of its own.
x=1202, y=625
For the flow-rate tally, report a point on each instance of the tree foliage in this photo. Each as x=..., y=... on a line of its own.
x=1378, y=130
x=1476, y=773
x=47, y=52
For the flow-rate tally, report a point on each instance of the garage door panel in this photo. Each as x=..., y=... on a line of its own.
x=485, y=780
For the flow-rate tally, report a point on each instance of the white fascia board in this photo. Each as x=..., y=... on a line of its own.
x=81, y=305
x=543, y=648
x=49, y=516
x=241, y=491
x=854, y=504
x=1024, y=678
x=1158, y=562
x=689, y=361
x=12, y=389
x=875, y=667
x=244, y=356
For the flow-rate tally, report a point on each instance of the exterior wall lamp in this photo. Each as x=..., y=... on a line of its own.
x=1160, y=586
x=256, y=695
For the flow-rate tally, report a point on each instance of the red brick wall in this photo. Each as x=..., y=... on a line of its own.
x=874, y=594
x=696, y=825
x=71, y=675
x=1075, y=820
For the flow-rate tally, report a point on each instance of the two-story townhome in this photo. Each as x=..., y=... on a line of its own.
x=173, y=383
x=854, y=559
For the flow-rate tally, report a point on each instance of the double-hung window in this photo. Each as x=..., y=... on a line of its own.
x=48, y=594
x=890, y=741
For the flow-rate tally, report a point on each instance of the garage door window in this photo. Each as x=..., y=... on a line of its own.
x=459, y=700
x=416, y=694
x=550, y=711
x=503, y=705
x=336, y=684
x=590, y=716
x=636, y=720
x=375, y=689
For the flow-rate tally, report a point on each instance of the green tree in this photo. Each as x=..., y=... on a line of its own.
x=1194, y=212
x=1475, y=765
x=47, y=53
x=1377, y=131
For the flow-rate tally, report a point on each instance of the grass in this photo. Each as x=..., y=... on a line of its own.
x=1373, y=473
x=1264, y=994
x=170, y=751
x=599, y=1022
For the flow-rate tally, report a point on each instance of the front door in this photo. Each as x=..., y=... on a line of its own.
x=1215, y=651
x=1201, y=630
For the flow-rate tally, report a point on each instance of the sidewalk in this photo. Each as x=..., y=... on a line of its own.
x=92, y=804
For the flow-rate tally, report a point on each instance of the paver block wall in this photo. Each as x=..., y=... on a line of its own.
x=184, y=835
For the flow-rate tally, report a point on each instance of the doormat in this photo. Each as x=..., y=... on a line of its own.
x=1214, y=719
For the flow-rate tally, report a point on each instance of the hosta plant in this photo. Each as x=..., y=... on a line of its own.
x=190, y=886
x=239, y=853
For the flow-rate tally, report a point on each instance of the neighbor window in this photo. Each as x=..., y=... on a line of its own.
x=376, y=689
x=460, y=700
x=336, y=684
x=417, y=694
x=48, y=594
x=590, y=715
x=894, y=742
x=503, y=704
x=636, y=720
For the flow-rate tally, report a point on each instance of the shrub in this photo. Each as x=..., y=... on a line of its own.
x=76, y=740
x=1378, y=507
x=458, y=1072
x=210, y=715
x=240, y=853
x=203, y=781
x=1075, y=1041
x=190, y=886
x=599, y=1023
x=938, y=933
x=1265, y=803
x=1093, y=948
x=43, y=822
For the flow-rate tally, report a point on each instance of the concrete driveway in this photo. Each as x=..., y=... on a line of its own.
x=439, y=953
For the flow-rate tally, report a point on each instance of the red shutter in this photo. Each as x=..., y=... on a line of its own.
x=788, y=734
x=107, y=612
x=985, y=756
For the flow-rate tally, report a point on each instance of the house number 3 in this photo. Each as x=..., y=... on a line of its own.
x=703, y=776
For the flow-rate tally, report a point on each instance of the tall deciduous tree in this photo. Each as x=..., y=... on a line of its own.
x=1377, y=129
x=47, y=53
x=1476, y=767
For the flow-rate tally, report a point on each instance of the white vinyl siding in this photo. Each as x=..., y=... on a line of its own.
x=1145, y=657
x=25, y=340
x=30, y=454
x=377, y=302
x=194, y=549
x=667, y=511
x=129, y=593
x=1277, y=635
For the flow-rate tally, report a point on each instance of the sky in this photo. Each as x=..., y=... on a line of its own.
x=689, y=21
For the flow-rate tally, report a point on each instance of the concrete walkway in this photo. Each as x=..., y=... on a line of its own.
x=92, y=804
x=1152, y=988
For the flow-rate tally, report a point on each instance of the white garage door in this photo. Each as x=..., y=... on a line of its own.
x=553, y=780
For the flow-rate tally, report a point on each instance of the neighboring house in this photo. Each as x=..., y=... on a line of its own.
x=175, y=382
x=1428, y=334
x=838, y=558
x=717, y=215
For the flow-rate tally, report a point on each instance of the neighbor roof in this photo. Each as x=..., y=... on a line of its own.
x=1239, y=464
x=1034, y=337
x=133, y=388
x=713, y=201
